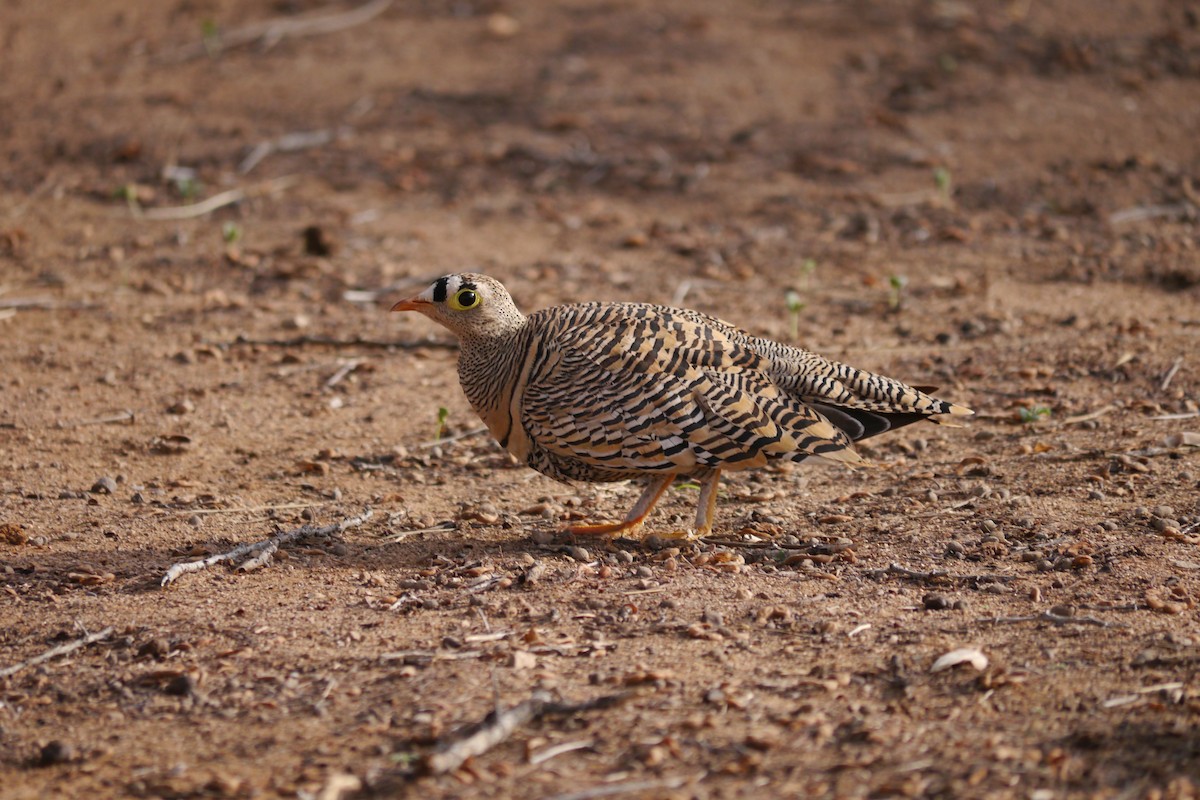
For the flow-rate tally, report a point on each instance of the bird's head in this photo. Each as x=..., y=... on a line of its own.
x=472, y=306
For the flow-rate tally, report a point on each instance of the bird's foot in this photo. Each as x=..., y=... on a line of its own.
x=609, y=529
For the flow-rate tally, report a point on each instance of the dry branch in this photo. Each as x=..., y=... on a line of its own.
x=123, y=416
x=248, y=509
x=344, y=370
x=329, y=341
x=499, y=725
x=274, y=31
x=55, y=652
x=1048, y=616
x=939, y=575
x=44, y=303
x=258, y=554
x=628, y=787
x=558, y=749
x=287, y=143
x=1142, y=213
x=1170, y=376
x=454, y=438
x=210, y=205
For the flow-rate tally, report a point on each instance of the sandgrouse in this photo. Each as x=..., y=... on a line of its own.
x=612, y=391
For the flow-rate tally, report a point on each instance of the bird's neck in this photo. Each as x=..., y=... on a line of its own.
x=489, y=365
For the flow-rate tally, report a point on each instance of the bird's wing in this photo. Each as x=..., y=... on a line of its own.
x=632, y=388
x=868, y=402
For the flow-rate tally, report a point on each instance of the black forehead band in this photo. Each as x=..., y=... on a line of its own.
x=439, y=290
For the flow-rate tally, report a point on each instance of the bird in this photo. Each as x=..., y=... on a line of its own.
x=602, y=392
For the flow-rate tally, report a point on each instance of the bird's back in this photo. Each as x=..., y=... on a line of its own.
x=608, y=390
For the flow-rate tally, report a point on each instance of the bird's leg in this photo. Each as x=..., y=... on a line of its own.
x=706, y=508
x=633, y=520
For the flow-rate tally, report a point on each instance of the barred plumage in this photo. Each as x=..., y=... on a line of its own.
x=610, y=391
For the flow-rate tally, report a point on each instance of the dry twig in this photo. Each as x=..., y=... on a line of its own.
x=1048, y=616
x=456, y=437
x=44, y=303
x=329, y=341
x=1141, y=213
x=1170, y=376
x=274, y=31
x=123, y=416
x=939, y=575
x=499, y=725
x=1097, y=414
x=258, y=554
x=248, y=509
x=287, y=143
x=55, y=652
x=210, y=205
x=344, y=370
x=628, y=787
x=543, y=756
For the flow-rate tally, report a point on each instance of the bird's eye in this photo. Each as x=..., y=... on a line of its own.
x=464, y=299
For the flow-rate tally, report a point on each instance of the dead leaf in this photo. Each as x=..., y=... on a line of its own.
x=1182, y=439
x=964, y=655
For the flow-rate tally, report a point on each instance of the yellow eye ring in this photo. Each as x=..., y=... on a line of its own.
x=464, y=300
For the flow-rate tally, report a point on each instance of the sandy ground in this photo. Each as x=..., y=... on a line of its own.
x=998, y=198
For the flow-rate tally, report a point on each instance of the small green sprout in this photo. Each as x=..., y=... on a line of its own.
x=794, y=299
x=230, y=232
x=795, y=305
x=187, y=186
x=210, y=35
x=943, y=181
x=128, y=192
x=404, y=759
x=443, y=414
x=1031, y=415
x=807, y=268
x=896, y=293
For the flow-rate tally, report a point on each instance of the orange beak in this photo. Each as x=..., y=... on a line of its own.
x=411, y=304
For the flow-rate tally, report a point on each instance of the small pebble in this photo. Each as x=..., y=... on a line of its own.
x=183, y=406
x=181, y=685
x=1095, y=494
x=104, y=485
x=156, y=648
x=195, y=520
x=55, y=752
x=935, y=602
